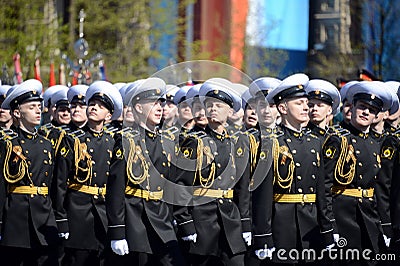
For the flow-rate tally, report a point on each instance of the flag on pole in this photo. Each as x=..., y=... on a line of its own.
x=37, y=69
x=17, y=69
x=52, y=80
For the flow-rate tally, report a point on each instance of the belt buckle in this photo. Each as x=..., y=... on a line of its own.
x=365, y=193
x=100, y=191
x=40, y=191
x=304, y=198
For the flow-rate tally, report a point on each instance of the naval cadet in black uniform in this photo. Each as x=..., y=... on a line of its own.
x=138, y=196
x=56, y=129
x=28, y=226
x=289, y=204
x=215, y=164
x=352, y=161
x=83, y=168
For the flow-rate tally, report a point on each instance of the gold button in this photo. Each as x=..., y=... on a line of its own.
x=147, y=187
x=46, y=173
x=95, y=197
x=219, y=177
x=313, y=176
x=311, y=189
x=361, y=176
x=91, y=150
x=298, y=164
x=158, y=188
x=32, y=195
x=26, y=151
x=299, y=177
x=314, y=163
x=299, y=190
x=107, y=173
x=218, y=165
x=312, y=151
x=289, y=140
x=30, y=174
x=163, y=164
x=357, y=152
x=308, y=139
x=294, y=151
x=162, y=175
x=360, y=164
x=360, y=200
x=221, y=201
x=232, y=177
x=94, y=174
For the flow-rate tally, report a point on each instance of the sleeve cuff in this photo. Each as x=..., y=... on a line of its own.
x=246, y=225
x=186, y=228
x=116, y=232
x=62, y=226
x=260, y=240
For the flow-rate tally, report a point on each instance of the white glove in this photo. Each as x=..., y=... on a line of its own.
x=63, y=235
x=336, y=238
x=120, y=247
x=265, y=253
x=190, y=238
x=247, y=238
x=387, y=240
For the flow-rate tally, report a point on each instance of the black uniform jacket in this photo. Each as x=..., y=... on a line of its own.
x=26, y=220
x=352, y=161
x=83, y=160
x=213, y=161
x=297, y=168
x=141, y=162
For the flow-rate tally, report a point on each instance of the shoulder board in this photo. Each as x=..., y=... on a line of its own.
x=252, y=131
x=129, y=133
x=8, y=134
x=341, y=132
x=47, y=126
x=77, y=133
x=275, y=134
x=167, y=134
x=171, y=130
x=197, y=134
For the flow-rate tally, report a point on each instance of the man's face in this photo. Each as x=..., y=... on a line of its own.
x=29, y=113
x=199, y=114
x=150, y=111
x=184, y=112
x=62, y=115
x=97, y=111
x=170, y=111
x=346, y=110
x=250, y=117
x=5, y=115
x=266, y=113
x=217, y=111
x=128, y=115
x=363, y=114
x=319, y=110
x=296, y=110
x=78, y=113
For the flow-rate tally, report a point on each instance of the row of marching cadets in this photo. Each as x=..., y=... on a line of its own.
x=192, y=185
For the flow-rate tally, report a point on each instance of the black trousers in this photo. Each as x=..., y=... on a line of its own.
x=39, y=256
x=83, y=257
